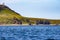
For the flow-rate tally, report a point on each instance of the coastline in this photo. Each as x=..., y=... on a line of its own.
x=26, y=24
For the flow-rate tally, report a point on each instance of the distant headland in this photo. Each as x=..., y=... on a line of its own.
x=8, y=16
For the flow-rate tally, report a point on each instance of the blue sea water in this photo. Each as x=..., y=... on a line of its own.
x=36, y=32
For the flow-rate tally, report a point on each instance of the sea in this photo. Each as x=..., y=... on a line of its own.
x=30, y=32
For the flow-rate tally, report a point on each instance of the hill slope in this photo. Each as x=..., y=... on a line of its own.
x=8, y=16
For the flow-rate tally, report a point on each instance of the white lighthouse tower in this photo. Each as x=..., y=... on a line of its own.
x=2, y=3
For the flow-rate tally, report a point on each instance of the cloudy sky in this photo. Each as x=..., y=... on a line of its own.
x=35, y=8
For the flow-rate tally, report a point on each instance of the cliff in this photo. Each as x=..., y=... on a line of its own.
x=8, y=16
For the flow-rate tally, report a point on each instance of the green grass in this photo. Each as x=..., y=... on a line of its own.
x=7, y=15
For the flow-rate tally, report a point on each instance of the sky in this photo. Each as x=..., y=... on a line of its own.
x=49, y=9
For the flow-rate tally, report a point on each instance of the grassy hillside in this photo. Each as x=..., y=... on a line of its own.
x=50, y=20
x=8, y=16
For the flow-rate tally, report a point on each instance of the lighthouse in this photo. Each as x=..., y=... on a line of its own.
x=2, y=3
